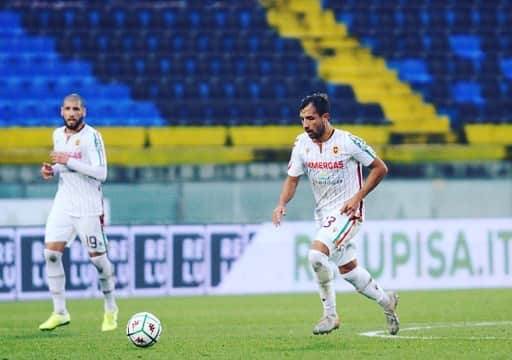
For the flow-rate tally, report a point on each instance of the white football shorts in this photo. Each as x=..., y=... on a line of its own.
x=336, y=232
x=62, y=227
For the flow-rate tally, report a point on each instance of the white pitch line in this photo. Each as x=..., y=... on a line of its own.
x=383, y=334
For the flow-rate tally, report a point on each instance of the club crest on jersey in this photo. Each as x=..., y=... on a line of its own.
x=335, y=149
x=77, y=142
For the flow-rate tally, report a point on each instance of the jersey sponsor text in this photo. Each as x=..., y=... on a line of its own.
x=325, y=164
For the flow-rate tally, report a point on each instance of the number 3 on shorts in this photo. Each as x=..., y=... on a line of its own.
x=328, y=221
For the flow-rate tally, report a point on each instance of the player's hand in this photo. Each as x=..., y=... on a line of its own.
x=351, y=207
x=46, y=171
x=277, y=213
x=59, y=157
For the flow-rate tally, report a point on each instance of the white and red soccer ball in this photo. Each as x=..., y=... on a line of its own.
x=143, y=329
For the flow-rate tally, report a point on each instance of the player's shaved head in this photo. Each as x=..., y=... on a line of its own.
x=74, y=98
x=73, y=112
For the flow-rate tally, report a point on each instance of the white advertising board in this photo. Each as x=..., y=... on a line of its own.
x=410, y=254
x=247, y=259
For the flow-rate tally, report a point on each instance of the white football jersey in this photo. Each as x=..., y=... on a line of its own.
x=333, y=168
x=80, y=190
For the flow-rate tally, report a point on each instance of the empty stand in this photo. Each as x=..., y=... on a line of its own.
x=200, y=65
x=455, y=53
x=187, y=63
x=34, y=78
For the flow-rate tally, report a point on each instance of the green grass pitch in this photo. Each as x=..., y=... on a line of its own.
x=473, y=324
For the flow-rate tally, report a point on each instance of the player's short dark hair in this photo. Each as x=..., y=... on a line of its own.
x=319, y=100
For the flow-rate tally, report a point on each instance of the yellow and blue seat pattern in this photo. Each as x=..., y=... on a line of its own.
x=198, y=75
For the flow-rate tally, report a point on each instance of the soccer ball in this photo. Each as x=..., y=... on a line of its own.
x=143, y=329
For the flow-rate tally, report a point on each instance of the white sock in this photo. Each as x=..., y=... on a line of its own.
x=106, y=277
x=56, y=280
x=363, y=282
x=324, y=275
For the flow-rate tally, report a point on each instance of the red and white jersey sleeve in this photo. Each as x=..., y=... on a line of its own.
x=334, y=168
x=80, y=190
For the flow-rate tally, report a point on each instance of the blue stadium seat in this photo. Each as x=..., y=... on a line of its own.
x=371, y=114
x=458, y=42
x=506, y=67
x=412, y=70
x=467, y=92
x=167, y=19
x=142, y=114
x=466, y=46
x=186, y=52
x=495, y=111
x=340, y=92
x=288, y=114
x=93, y=18
x=9, y=20
x=7, y=113
x=119, y=18
x=229, y=90
x=487, y=17
x=469, y=113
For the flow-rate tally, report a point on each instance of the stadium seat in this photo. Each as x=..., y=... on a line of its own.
x=187, y=52
x=9, y=20
x=466, y=46
x=506, y=67
x=185, y=135
x=412, y=70
x=467, y=92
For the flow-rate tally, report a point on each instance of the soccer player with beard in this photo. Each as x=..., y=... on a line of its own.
x=78, y=158
x=332, y=160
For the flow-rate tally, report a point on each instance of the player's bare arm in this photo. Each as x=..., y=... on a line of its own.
x=287, y=193
x=46, y=171
x=377, y=173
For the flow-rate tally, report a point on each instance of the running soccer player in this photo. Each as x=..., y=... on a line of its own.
x=78, y=158
x=332, y=160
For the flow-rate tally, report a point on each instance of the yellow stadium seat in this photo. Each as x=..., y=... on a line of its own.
x=187, y=136
x=284, y=136
x=41, y=137
x=373, y=135
x=26, y=138
x=131, y=137
x=489, y=134
x=275, y=136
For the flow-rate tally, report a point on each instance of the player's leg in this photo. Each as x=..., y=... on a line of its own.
x=92, y=235
x=361, y=279
x=331, y=229
x=325, y=251
x=323, y=269
x=57, y=234
x=107, y=283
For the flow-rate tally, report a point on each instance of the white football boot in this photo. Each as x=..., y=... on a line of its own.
x=392, y=321
x=327, y=324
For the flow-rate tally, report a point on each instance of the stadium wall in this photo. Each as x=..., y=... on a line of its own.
x=243, y=202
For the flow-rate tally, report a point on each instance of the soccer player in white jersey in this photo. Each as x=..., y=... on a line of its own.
x=332, y=159
x=78, y=158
